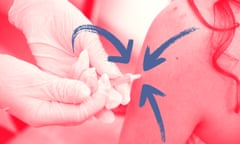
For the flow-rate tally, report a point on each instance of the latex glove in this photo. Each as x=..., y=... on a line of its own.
x=39, y=98
x=89, y=76
x=48, y=26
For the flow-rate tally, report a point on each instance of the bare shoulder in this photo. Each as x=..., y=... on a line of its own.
x=174, y=19
x=187, y=69
x=192, y=86
x=191, y=44
x=187, y=76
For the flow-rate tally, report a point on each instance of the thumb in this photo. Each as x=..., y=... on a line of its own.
x=99, y=59
x=48, y=113
x=56, y=113
x=97, y=54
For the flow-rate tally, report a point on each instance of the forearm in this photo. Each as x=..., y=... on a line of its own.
x=5, y=6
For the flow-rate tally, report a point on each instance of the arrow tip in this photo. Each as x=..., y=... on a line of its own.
x=150, y=60
x=125, y=54
x=147, y=92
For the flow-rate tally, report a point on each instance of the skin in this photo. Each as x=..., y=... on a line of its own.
x=198, y=99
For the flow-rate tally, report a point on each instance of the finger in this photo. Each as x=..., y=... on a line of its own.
x=81, y=65
x=97, y=55
x=56, y=113
x=68, y=91
x=106, y=116
x=124, y=90
x=60, y=113
x=114, y=98
x=123, y=86
x=81, y=71
x=90, y=78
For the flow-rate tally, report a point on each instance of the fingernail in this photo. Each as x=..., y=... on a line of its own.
x=114, y=99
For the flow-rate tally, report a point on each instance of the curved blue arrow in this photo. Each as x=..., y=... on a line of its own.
x=125, y=52
x=148, y=93
x=152, y=60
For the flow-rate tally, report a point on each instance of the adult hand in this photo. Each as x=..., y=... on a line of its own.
x=48, y=26
x=39, y=98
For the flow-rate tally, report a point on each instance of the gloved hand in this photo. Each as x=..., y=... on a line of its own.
x=48, y=26
x=39, y=98
x=89, y=76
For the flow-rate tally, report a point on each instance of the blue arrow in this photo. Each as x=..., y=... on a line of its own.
x=125, y=52
x=152, y=60
x=148, y=93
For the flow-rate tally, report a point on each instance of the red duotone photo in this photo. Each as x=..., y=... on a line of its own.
x=119, y=72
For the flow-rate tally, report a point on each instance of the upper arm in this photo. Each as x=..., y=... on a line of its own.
x=182, y=77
